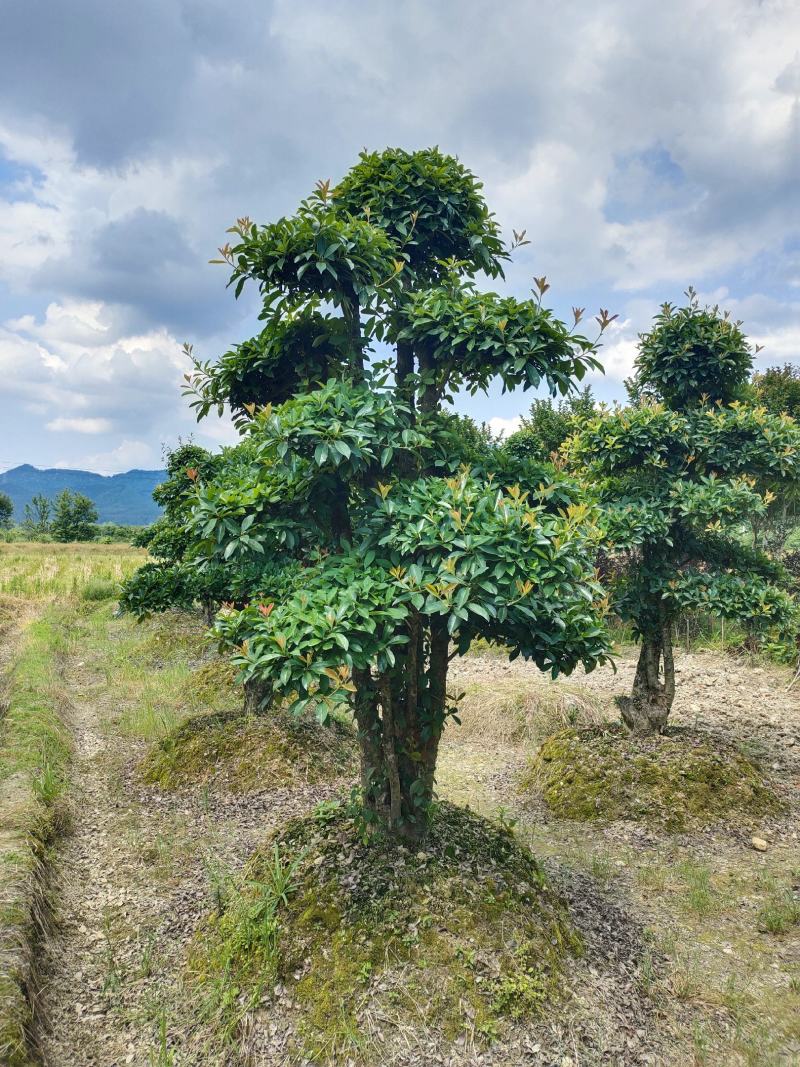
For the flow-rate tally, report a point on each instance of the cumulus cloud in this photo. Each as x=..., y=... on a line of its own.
x=87, y=425
x=644, y=147
x=501, y=427
x=128, y=455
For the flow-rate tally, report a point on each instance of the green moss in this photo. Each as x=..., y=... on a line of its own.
x=676, y=780
x=240, y=753
x=212, y=684
x=373, y=938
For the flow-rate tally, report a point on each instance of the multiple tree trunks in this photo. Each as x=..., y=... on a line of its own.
x=646, y=710
x=400, y=715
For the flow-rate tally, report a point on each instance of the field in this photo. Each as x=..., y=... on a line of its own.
x=133, y=797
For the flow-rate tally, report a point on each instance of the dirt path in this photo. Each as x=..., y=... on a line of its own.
x=133, y=878
x=142, y=867
x=77, y=967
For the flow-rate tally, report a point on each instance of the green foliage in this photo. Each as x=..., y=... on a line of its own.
x=682, y=483
x=174, y=579
x=693, y=355
x=283, y=360
x=778, y=390
x=467, y=338
x=108, y=533
x=548, y=425
x=487, y=564
x=351, y=548
x=74, y=517
x=430, y=206
x=680, y=488
x=37, y=517
x=320, y=253
x=6, y=511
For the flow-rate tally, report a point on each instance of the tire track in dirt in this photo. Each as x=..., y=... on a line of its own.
x=134, y=879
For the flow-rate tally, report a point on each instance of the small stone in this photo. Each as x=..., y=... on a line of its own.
x=759, y=844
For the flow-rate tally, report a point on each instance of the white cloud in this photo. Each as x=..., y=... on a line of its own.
x=77, y=372
x=126, y=456
x=87, y=425
x=646, y=147
x=501, y=427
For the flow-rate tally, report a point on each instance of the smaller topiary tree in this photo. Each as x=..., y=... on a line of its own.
x=677, y=472
x=548, y=424
x=172, y=579
x=778, y=390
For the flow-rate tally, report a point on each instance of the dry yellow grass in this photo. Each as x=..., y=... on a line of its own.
x=33, y=571
x=513, y=712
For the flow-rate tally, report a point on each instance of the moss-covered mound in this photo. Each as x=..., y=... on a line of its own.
x=240, y=753
x=358, y=945
x=212, y=684
x=681, y=778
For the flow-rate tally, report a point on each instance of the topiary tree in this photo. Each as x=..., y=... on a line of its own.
x=677, y=475
x=173, y=580
x=778, y=390
x=74, y=517
x=388, y=559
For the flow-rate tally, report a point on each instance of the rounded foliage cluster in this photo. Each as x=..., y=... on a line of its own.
x=429, y=204
x=691, y=354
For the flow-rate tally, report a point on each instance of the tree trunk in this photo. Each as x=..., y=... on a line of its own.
x=400, y=716
x=257, y=697
x=646, y=710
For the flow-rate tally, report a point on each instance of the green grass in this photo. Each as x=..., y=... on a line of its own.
x=780, y=913
x=34, y=761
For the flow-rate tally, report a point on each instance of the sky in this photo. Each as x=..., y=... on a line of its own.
x=644, y=147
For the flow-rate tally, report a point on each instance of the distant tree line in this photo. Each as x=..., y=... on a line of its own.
x=71, y=516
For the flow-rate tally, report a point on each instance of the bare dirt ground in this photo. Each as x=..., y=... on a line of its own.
x=142, y=867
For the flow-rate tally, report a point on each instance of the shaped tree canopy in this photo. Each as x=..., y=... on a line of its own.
x=679, y=475
x=382, y=554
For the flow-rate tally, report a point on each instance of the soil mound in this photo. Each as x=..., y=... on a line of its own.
x=342, y=949
x=240, y=753
x=681, y=778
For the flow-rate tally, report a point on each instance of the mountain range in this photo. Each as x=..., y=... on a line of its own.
x=124, y=498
